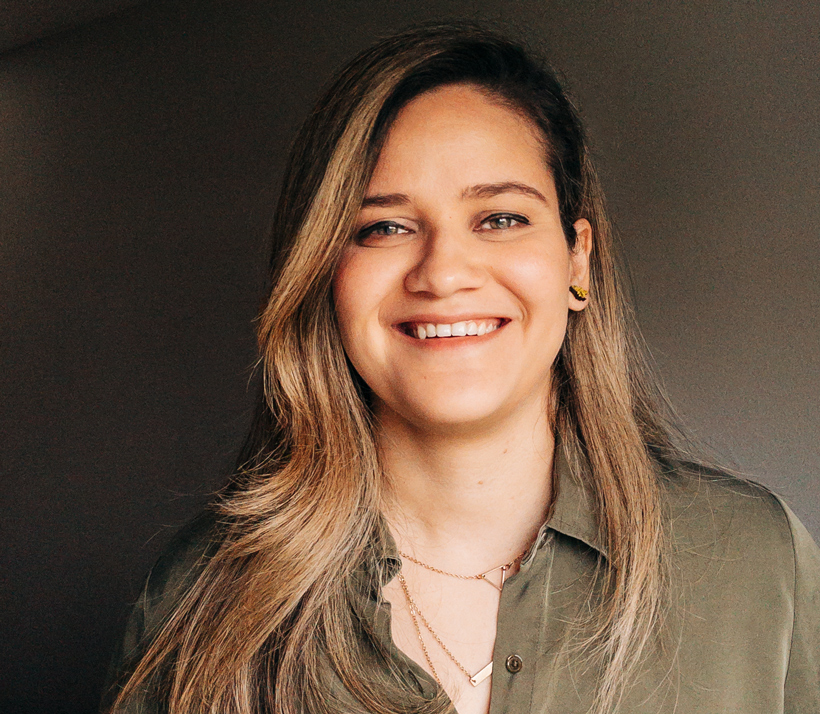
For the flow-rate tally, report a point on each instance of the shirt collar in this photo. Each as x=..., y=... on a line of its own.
x=574, y=512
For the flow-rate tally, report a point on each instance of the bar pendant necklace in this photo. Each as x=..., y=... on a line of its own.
x=415, y=614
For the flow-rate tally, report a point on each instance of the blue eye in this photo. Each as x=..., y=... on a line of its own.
x=504, y=221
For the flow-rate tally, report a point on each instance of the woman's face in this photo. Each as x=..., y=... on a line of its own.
x=460, y=231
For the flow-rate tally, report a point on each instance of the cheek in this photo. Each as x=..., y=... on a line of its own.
x=346, y=302
x=344, y=295
x=360, y=292
x=540, y=278
x=351, y=295
x=367, y=282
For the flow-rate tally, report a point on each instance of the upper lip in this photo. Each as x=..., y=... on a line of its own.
x=429, y=318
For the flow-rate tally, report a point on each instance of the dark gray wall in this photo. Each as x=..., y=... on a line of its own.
x=139, y=157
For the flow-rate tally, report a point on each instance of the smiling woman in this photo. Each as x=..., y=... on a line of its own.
x=455, y=399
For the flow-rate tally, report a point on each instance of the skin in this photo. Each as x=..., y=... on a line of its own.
x=460, y=223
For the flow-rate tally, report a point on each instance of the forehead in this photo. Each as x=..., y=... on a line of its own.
x=462, y=132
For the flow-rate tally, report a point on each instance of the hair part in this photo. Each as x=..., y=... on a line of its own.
x=301, y=517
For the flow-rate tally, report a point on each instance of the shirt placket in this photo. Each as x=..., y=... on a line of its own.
x=521, y=628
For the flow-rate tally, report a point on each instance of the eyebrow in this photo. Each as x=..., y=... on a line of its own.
x=482, y=190
x=386, y=200
x=489, y=190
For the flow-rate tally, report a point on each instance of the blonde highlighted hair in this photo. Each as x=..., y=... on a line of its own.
x=272, y=606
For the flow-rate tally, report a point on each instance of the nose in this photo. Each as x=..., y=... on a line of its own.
x=448, y=263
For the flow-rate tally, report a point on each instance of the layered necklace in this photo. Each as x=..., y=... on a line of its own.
x=417, y=616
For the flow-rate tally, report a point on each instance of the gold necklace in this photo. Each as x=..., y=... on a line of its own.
x=415, y=614
x=481, y=576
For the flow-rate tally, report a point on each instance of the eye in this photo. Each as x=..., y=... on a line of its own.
x=503, y=221
x=378, y=232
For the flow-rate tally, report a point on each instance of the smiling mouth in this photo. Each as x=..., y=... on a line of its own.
x=467, y=328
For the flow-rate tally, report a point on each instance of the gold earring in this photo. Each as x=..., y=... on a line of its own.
x=579, y=292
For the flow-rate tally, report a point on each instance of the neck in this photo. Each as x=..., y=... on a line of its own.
x=467, y=501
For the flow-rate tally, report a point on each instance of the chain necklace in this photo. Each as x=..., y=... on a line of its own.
x=416, y=615
x=481, y=576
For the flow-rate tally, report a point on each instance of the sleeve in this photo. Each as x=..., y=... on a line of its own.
x=802, y=688
x=174, y=572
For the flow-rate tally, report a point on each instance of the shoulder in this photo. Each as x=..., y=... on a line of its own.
x=745, y=579
x=707, y=506
x=175, y=571
x=178, y=566
x=734, y=534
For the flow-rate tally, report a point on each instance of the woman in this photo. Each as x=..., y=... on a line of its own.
x=460, y=490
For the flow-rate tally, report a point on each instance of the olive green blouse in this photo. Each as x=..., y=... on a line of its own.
x=741, y=632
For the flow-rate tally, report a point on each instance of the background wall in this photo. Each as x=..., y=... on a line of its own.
x=139, y=158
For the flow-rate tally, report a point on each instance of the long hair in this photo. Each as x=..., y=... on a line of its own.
x=300, y=521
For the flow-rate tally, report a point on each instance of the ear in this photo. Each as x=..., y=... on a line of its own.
x=579, y=262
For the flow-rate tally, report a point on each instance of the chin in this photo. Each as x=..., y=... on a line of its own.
x=456, y=414
x=457, y=421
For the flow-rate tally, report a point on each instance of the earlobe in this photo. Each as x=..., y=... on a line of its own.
x=579, y=265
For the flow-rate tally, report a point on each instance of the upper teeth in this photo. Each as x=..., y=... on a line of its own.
x=455, y=329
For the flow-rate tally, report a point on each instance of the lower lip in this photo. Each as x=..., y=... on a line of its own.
x=444, y=342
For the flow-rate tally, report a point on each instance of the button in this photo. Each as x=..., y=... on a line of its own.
x=514, y=663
